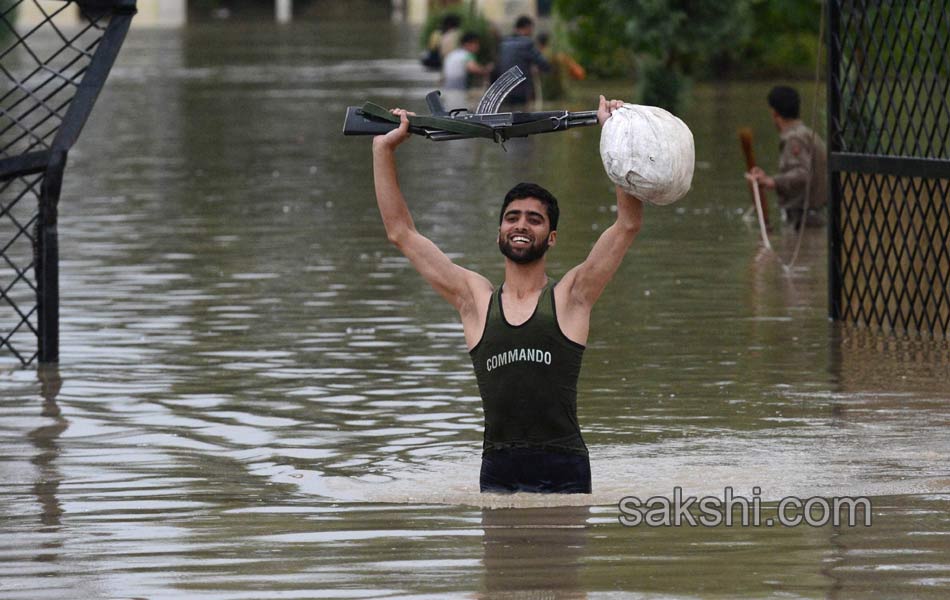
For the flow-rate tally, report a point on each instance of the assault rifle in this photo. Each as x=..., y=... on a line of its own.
x=457, y=124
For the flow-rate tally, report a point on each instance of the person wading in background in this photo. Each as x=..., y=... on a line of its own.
x=461, y=64
x=519, y=50
x=802, y=163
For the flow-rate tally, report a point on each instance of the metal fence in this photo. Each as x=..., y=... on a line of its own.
x=889, y=162
x=52, y=68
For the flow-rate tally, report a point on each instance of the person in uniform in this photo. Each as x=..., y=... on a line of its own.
x=526, y=337
x=801, y=181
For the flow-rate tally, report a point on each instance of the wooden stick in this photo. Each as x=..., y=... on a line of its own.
x=757, y=200
x=745, y=140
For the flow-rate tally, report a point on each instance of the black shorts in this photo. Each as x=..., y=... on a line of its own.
x=535, y=471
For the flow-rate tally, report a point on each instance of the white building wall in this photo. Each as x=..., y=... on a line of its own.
x=29, y=14
x=416, y=11
x=500, y=12
x=151, y=13
x=161, y=13
x=174, y=13
x=504, y=12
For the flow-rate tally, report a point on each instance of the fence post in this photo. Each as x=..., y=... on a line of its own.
x=834, y=191
x=47, y=261
x=45, y=103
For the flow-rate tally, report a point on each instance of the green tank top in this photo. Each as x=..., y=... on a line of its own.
x=527, y=376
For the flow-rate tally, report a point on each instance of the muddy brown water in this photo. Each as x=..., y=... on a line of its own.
x=259, y=398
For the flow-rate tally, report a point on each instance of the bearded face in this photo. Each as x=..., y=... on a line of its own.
x=520, y=248
x=525, y=231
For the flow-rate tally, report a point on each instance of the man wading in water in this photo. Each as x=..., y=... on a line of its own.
x=527, y=337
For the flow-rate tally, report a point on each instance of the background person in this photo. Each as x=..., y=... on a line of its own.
x=461, y=65
x=519, y=50
x=433, y=55
x=802, y=163
x=451, y=33
x=552, y=83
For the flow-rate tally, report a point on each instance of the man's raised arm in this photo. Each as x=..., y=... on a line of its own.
x=451, y=281
x=587, y=281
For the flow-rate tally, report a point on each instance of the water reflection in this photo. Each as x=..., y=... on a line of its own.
x=534, y=552
x=48, y=478
x=870, y=362
x=778, y=283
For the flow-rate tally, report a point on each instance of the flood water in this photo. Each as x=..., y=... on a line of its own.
x=259, y=398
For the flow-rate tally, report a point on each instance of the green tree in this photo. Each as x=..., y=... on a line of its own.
x=8, y=8
x=598, y=37
x=666, y=39
x=784, y=38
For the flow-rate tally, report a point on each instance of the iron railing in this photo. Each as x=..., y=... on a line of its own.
x=889, y=163
x=52, y=72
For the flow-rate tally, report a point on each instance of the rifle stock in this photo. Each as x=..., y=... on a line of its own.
x=359, y=123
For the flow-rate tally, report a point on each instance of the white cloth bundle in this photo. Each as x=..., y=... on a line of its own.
x=648, y=152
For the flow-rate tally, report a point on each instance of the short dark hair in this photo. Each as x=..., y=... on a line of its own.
x=524, y=21
x=785, y=101
x=532, y=190
x=450, y=21
x=469, y=36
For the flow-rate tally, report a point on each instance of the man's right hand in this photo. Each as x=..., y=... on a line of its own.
x=397, y=136
x=760, y=177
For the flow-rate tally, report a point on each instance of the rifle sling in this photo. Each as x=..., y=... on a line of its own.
x=443, y=123
x=530, y=128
